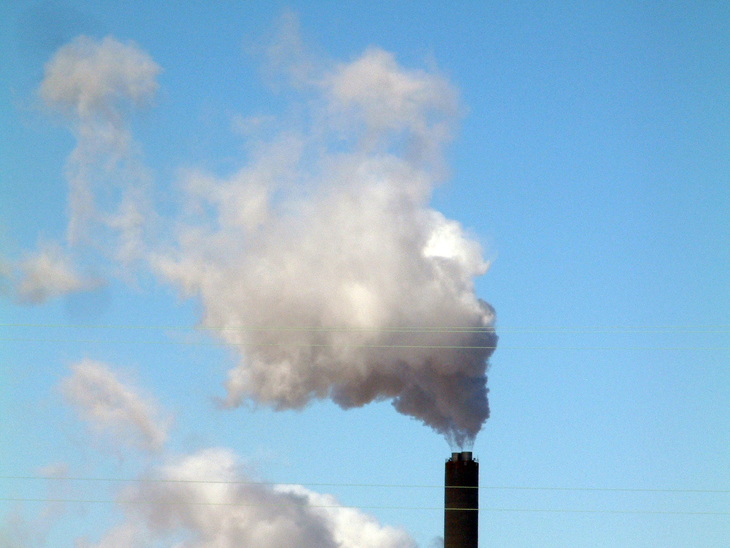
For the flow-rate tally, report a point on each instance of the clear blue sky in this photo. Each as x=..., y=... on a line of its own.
x=588, y=154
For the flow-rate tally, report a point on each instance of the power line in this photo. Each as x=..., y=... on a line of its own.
x=379, y=485
x=405, y=329
x=224, y=343
x=440, y=508
x=333, y=345
x=412, y=329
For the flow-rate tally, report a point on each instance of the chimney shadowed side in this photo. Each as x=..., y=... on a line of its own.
x=461, y=500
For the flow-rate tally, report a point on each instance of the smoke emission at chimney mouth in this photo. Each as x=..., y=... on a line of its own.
x=329, y=228
x=326, y=225
x=461, y=501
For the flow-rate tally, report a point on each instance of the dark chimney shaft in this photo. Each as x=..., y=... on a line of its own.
x=461, y=499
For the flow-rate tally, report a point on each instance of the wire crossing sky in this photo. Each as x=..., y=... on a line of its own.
x=278, y=259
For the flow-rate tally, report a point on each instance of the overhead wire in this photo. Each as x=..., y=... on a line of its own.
x=378, y=485
x=405, y=330
x=371, y=507
x=365, y=345
x=720, y=328
x=440, y=508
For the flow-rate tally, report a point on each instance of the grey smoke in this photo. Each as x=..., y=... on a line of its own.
x=113, y=409
x=321, y=261
x=95, y=85
x=437, y=542
x=18, y=531
x=48, y=273
x=203, y=500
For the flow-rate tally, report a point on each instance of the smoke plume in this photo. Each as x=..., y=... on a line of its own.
x=201, y=499
x=113, y=409
x=321, y=261
x=48, y=273
x=95, y=85
x=227, y=510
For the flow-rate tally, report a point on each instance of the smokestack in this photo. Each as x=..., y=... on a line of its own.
x=461, y=500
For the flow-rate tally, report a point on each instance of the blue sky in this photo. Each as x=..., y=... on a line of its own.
x=584, y=148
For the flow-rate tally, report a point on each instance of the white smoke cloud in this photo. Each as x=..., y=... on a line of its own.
x=350, y=527
x=89, y=79
x=393, y=106
x=17, y=531
x=96, y=85
x=228, y=512
x=114, y=410
x=286, y=55
x=322, y=262
x=49, y=273
x=6, y=272
x=203, y=500
x=320, y=258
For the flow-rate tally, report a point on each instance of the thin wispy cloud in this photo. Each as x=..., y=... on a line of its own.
x=95, y=85
x=19, y=531
x=114, y=410
x=49, y=273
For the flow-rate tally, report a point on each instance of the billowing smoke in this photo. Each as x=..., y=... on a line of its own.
x=202, y=499
x=319, y=260
x=229, y=511
x=322, y=263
